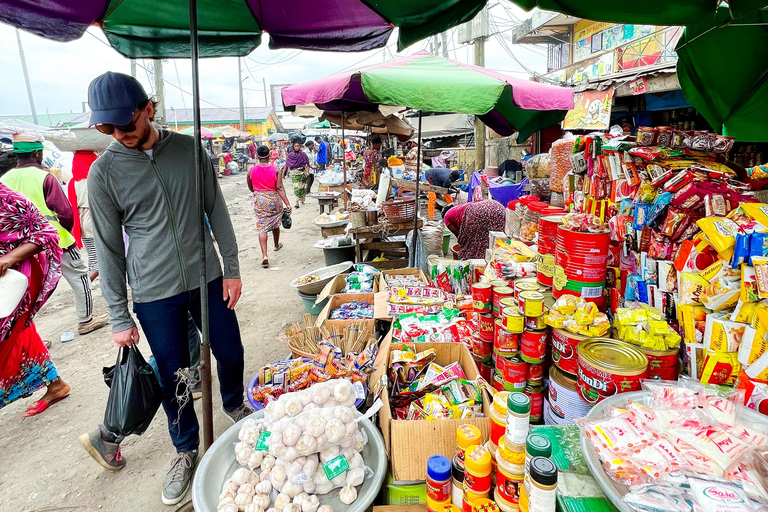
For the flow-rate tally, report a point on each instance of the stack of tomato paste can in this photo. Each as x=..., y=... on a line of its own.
x=519, y=339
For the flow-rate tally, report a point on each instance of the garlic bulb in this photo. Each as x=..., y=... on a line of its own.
x=292, y=489
x=310, y=465
x=291, y=453
x=265, y=487
x=223, y=502
x=291, y=434
x=278, y=410
x=326, y=414
x=247, y=488
x=293, y=406
x=315, y=427
x=340, y=480
x=309, y=487
x=302, y=420
x=359, y=442
x=299, y=499
x=323, y=488
x=355, y=461
x=329, y=453
x=348, y=494
x=350, y=428
x=306, y=445
x=278, y=449
x=277, y=477
x=342, y=392
x=343, y=414
x=310, y=504
x=242, y=452
x=334, y=430
x=253, y=479
x=252, y=507
x=229, y=508
x=305, y=398
x=347, y=442
x=322, y=442
x=227, y=493
x=268, y=463
x=310, y=406
x=321, y=396
x=242, y=499
x=254, y=459
x=240, y=476
x=262, y=500
x=355, y=476
x=281, y=501
x=264, y=477
x=291, y=508
x=325, y=508
x=249, y=435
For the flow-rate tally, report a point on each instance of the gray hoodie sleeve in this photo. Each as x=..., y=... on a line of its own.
x=221, y=224
x=110, y=249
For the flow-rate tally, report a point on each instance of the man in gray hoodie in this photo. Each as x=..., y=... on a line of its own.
x=144, y=183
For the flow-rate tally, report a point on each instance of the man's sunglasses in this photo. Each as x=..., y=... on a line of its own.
x=109, y=129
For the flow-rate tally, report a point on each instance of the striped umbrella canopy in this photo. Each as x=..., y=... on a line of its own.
x=425, y=82
x=152, y=29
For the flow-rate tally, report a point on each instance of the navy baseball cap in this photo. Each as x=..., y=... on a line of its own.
x=113, y=98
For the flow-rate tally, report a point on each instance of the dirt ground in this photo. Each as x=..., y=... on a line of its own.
x=43, y=467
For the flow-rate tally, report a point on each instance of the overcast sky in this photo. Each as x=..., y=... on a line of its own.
x=60, y=72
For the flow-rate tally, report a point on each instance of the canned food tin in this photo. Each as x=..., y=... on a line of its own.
x=486, y=370
x=533, y=346
x=525, y=286
x=531, y=303
x=499, y=282
x=662, y=364
x=535, y=374
x=481, y=348
x=485, y=323
x=482, y=297
x=514, y=371
x=608, y=367
x=505, y=343
x=498, y=381
x=501, y=292
x=536, y=394
x=564, y=355
x=512, y=320
x=536, y=323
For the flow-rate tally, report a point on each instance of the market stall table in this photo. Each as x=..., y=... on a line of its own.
x=366, y=240
x=329, y=199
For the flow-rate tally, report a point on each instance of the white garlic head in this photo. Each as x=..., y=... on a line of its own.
x=310, y=504
x=292, y=489
x=277, y=477
x=223, y=502
x=315, y=426
x=299, y=499
x=281, y=501
x=355, y=476
x=348, y=494
x=268, y=463
x=306, y=445
x=240, y=476
x=264, y=487
x=246, y=488
x=262, y=500
x=321, y=396
x=325, y=508
x=242, y=499
x=254, y=459
x=334, y=430
x=291, y=435
x=293, y=406
x=252, y=507
x=229, y=508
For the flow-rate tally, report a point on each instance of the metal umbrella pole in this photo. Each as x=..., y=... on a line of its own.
x=418, y=180
x=205, y=346
x=344, y=160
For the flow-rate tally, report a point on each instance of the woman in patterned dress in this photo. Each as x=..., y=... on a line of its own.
x=471, y=223
x=297, y=164
x=266, y=183
x=30, y=245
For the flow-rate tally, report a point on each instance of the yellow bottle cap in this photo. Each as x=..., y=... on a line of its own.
x=468, y=435
x=478, y=460
x=500, y=402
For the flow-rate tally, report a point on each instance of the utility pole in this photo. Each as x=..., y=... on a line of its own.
x=240, y=92
x=159, y=93
x=264, y=84
x=444, y=41
x=133, y=68
x=479, y=45
x=30, y=96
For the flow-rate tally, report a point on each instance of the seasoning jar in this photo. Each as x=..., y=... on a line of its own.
x=536, y=445
x=457, y=482
x=509, y=221
x=542, y=492
x=499, y=416
x=529, y=226
x=466, y=436
x=510, y=472
x=477, y=473
x=518, y=417
x=484, y=505
x=438, y=482
x=520, y=209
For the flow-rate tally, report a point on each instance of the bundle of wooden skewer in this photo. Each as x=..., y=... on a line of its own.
x=355, y=337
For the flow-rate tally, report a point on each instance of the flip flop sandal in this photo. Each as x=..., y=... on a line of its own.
x=280, y=246
x=41, y=405
x=265, y=264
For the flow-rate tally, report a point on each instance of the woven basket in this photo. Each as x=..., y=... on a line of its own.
x=399, y=210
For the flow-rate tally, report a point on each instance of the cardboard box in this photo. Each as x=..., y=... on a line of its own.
x=400, y=272
x=336, y=301
x=337, y=284
x=410, y=443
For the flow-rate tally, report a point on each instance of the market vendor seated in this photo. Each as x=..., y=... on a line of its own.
x=441, y=177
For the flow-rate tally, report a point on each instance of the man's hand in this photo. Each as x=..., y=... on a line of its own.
x=232, y=290
x=127, y=337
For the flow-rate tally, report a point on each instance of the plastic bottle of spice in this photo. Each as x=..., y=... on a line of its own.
x=520, y=209
x=536, y=445
x=509, y=220
x=510, y=472
x=529, y=227
x=438, y=482
x=518, y=417
x=542, y=493
x=499, y=416
x=477, y=475
x=466, y=436
x=457, y=482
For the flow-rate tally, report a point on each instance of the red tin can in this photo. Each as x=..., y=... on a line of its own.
x=533, y=346
x=485, y=325
x=505, y=343
x=514, y=371
x=608, y=367
x=500, y=292
x=662, y=364
x=535, y=374
x=536, y=394
x=482, y=297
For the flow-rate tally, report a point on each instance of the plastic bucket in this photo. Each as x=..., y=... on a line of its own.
x=446, y=242
x=583, y=256
x=309, y=303
x=336, y=255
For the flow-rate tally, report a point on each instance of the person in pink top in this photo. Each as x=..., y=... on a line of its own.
x=266, y=183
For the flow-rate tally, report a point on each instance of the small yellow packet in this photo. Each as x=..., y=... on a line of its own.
x=720, y=231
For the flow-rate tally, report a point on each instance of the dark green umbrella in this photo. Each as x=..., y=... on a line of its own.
x=723, y=72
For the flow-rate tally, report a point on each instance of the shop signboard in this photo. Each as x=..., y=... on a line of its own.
x=591, y=110
x=638, y=86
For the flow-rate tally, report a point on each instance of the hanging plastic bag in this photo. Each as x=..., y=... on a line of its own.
x=134, y=393
x=287, y=222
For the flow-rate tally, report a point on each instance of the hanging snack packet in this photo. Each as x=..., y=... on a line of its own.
x=720, y=231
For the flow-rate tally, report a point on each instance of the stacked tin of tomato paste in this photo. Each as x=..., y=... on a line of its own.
x=510, y=347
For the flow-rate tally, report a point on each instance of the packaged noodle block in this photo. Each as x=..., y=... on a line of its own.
x=722, y=335
x=721, y=368
x=722, y=293
x=751, y=349
x=693, y=319
x=720, y=231
x=760, y=319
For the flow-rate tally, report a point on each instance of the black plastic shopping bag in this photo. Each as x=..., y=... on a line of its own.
x=287, y=222
x=134, y=393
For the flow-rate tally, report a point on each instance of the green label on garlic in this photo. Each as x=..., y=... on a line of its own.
x=335, y=467
x=262, y=444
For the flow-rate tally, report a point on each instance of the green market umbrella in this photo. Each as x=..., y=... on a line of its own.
x=723, y=72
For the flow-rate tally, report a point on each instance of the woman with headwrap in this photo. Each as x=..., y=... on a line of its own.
x=471, y=223
x=297, y=164
x=29, y=245
x=77, y=191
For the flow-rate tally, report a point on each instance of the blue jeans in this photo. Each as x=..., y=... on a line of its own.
x=194, y=352
x=165, y=323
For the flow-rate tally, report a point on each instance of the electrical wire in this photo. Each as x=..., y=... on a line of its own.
x=183, y=101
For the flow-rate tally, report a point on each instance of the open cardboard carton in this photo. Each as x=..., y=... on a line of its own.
x=337, y=284
x=336, y=301
x=381, y=300
x=410, y=443
x=400, y=272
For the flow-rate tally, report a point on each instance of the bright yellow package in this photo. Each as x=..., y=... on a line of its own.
x=744, y=312
x=760, y=264
x=693, y=319
x=723, y=293
x=691, y=287
x=757, y=211
x=554, y=319
x=720, y=231
x=748, y=284
x=721, y=368
x=751, y=349
x=760, y=319
x=586, y=313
